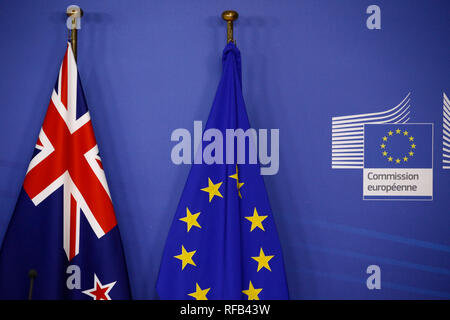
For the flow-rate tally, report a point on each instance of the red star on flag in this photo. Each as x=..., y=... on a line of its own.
x=100, y=292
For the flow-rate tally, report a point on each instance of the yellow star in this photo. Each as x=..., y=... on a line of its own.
x=397, y=160
x=390, y=133
x=411, y=138
x=252, y=293
x=384, y=138
x=385, y=153
x=382, y=146
x=405, y=133
x=239, y=184
x=398, y=131
x=186, y=257
x=405, y=159
x=212, y=189
x=413, y=146
x=263, y=260
x=390, y=159
x=191, y=220
x=411, y=153
x=256, y=221
x=199, y=294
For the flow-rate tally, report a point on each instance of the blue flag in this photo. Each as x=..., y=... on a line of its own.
x=223, y=243
x=398, y=145
x=63, y=232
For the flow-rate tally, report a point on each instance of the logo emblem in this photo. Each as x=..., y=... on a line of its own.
x=396, y=156
x=398, y=162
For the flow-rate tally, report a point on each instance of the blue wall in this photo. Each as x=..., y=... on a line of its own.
x=149, y=67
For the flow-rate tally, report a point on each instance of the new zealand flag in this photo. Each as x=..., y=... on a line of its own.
x=64, y=228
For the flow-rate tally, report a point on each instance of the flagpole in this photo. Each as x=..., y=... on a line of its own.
x=74, y=13
x=229, y=16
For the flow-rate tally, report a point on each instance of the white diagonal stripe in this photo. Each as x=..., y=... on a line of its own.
x=350, y=129
x=348, y=167
x=339, y=134
x=346, y=158
x=348, y=162
x=347, y=138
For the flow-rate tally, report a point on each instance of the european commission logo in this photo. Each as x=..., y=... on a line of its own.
x=398, y=162
x=396, y=156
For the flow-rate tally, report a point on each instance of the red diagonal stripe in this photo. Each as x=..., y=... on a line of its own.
x=64, y=80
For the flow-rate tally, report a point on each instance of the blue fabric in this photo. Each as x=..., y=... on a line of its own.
x=224, y=243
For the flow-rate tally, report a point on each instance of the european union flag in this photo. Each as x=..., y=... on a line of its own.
x=398, y=145
x=223, y=243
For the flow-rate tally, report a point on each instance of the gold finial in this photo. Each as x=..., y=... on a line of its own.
x=74, y=13
x=229, y=16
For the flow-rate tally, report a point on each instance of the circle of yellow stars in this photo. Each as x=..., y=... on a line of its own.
x=187, y=257
x=389, y=157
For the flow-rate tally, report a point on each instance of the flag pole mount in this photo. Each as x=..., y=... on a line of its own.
x=229, y=16
x=73, y=24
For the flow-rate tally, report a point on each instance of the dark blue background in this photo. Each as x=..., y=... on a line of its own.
x=149, y=67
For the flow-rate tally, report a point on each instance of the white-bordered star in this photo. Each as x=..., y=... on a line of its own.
x=99, y=291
